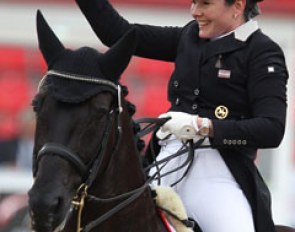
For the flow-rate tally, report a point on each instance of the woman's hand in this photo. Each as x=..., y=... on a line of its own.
x=185, y=126
x=182, y=125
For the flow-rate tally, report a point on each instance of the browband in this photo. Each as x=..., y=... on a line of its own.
x=77, y=77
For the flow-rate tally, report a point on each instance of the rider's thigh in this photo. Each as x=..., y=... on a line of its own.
x=219, y=207
x=212, y=196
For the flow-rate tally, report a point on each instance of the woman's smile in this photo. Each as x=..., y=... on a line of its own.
x=203, y=23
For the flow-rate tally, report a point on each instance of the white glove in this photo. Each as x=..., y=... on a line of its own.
x=182, y=125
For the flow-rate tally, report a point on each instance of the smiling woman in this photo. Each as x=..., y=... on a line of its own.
x=215, y=17
x=228, y=79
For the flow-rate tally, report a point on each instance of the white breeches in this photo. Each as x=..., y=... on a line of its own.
x=209, y=191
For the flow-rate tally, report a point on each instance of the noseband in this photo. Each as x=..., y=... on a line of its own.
x=65, y=153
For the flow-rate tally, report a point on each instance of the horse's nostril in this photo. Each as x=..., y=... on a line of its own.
x=41, y=204
x=46, y=211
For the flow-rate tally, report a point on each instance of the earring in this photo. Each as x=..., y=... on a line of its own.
x=235, y=16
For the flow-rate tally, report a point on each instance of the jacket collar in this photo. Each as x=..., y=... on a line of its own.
x=244, y=31
x=235, y=40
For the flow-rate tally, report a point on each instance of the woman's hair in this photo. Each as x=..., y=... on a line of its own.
x=251, y=9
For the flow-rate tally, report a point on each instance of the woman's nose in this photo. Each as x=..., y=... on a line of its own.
x=195, y=10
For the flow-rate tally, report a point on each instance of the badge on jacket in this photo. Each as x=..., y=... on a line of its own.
x=223, y=73
x=221, y=112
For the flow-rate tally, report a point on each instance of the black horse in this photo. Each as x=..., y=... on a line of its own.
x=87, y=168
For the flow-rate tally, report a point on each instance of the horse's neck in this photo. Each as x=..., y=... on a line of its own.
x=120, y=170
x=122, y=175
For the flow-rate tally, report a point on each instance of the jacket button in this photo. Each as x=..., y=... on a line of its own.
x=176, y=84
x=244, y=142
x=196, y=92
x=224, y=141
x=195, y=106
x=177, y=101
x=239, y=142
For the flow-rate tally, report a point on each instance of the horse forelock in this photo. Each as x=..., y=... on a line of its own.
x=72, y=91
x=83, y=62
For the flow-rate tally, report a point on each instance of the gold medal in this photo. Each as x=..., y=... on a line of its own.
x=221, y=112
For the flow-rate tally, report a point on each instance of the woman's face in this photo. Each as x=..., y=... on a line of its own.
x=215, y=17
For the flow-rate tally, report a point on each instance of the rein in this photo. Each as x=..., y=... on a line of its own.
x=189, y=147
x=132, y=196
x=153, y=124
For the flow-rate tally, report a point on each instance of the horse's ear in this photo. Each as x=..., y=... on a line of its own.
x=117, y=58
x=49, y=44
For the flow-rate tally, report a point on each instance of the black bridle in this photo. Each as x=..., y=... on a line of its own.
x=86, y=171
x=89, y=172
x=65, y=153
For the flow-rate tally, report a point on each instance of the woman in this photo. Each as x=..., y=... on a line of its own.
x=229, y=84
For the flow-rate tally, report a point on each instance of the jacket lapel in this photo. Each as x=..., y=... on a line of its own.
x=223, y=45
x=231, y=42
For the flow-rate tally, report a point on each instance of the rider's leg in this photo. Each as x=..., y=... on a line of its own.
x=209, y=192
x=218, y=206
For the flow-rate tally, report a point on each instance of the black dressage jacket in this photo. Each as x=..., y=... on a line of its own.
x=238, y=81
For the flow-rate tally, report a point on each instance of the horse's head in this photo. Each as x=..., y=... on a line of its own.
x=74, y=108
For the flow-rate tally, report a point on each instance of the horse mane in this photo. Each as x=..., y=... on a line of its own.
x=131, y=108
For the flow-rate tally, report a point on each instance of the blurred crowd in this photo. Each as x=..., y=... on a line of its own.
x=17, y=126
x=17, y=123
x=16, y=146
